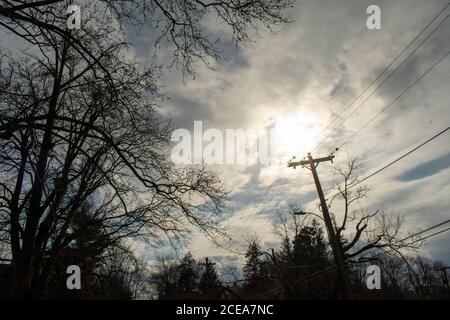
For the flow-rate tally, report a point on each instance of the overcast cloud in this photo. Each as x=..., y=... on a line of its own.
x=307, y=72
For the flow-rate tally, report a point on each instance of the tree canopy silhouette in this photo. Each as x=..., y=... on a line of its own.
x=79, y=123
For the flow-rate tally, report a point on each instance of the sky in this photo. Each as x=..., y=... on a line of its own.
x=301, y=76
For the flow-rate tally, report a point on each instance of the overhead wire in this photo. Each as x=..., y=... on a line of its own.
x=420, y=239
x=394, y=100
x=400, y=158
x=381, y=74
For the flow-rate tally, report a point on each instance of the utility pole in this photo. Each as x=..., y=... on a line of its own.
x=312, y=164
x=209, y=283
x=207, y=263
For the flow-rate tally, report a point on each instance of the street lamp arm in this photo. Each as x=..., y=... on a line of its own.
x=304, y=213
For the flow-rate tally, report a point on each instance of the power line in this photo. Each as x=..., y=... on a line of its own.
x=380, y=85
x=320, y=272
x=428, y=229
x=420, y=239
x=383, y=110
x=394, y=161
x=397, y=160
x=431, y=235
x=407, y=89
x=381, y=74
x=311, y=277
x=400, y=158
x=386, y=68
x=394, y=100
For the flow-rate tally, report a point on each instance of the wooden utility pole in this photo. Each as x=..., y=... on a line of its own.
x=336, y=247
x=207, y=263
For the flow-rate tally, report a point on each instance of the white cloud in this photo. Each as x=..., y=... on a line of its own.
x=316, y=65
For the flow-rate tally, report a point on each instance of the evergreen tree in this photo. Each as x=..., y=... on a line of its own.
x=188, y=274
x=209, y=281
x=309, y=246
x=286, y=251
x=310, y=254
x=252, y=268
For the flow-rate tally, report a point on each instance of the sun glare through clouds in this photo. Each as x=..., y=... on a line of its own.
x=296, y=133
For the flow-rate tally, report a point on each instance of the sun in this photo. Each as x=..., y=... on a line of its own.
x=296, y=134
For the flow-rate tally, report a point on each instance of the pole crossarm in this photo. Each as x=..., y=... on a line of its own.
x=207, y=263
x=307, y=162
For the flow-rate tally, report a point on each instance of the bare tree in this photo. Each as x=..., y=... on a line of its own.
x=372, y=229
x=165, y=277
x=129, y=273
x=178, y=24
x=79, y=124
x=287, y=227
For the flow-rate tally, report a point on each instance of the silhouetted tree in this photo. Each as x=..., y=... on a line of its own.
x=253, y=266
x=120, y=275
x=86, y=250
x=78, y=122
x=286, y=228
x=165, y=277
x=188, y=275
x=285, y=254
x=209, y=280
x=304, y=267
x=373, y=230
x=309, y=247
x=109, y=270
x=179, y=26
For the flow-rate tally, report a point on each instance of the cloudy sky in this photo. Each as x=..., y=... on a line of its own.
x=303, y=75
